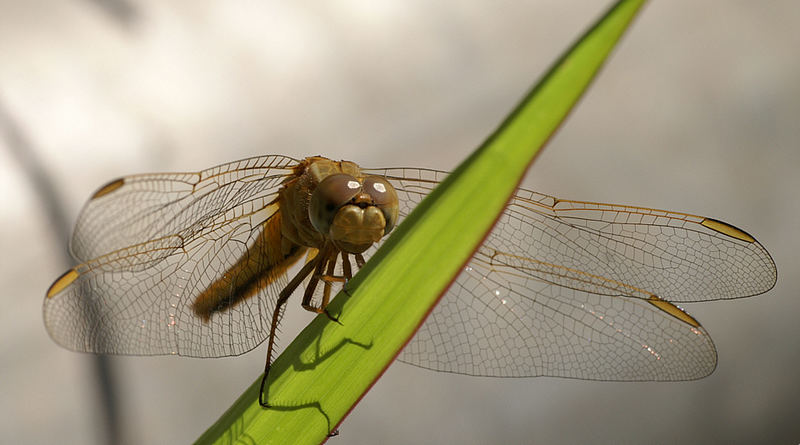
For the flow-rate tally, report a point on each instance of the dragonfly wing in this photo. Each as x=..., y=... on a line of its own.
x=139, y=208
x=502, y=321
x=577, y=289
x=157, y=242
x=677, y=256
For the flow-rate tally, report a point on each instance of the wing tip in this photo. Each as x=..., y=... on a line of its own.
x=62, y=282
x=727, y=229
x=108, y=188
x=674, y=310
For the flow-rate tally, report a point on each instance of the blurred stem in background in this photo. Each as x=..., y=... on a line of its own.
x=23, y=151
x=122, y=12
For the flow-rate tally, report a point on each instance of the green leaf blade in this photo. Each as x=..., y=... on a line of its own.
x=329, y=367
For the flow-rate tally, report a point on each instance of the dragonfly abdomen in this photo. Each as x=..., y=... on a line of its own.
x=268, y=258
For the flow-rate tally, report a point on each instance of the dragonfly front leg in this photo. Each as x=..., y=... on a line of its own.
x=346, y=268
x=276, y=315
x=328, y=278
x=360, y=260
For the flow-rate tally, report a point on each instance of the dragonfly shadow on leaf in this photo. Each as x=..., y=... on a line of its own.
x=300, y=362
x=319, y=356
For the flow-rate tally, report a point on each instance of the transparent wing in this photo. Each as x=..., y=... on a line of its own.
x=149, y=244
x=151, y=206
x=582, y=290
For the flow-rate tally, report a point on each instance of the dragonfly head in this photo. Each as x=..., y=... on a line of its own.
x=353, y=214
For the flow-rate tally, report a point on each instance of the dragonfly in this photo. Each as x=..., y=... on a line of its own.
x=197, y=264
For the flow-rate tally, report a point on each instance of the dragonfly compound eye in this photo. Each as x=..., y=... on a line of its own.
x=384, y=197
x=330, y=195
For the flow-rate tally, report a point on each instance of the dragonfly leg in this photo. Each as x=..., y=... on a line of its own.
x=276, y=315
x=328, y=284
x=323, y=256
x=346, y=268
x=328, y=258
x=360, y=260
x=329, y=279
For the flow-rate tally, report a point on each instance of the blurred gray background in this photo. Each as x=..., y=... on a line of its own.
x=697, y=111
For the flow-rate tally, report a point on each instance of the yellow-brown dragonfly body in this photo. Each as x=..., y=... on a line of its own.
x=195, y=264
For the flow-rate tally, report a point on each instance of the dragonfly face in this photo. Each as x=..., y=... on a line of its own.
x=346, y=208
x=195, y=264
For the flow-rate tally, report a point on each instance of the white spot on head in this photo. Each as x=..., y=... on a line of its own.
x=379, y=187
x=496, y=293
x=353, y=185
